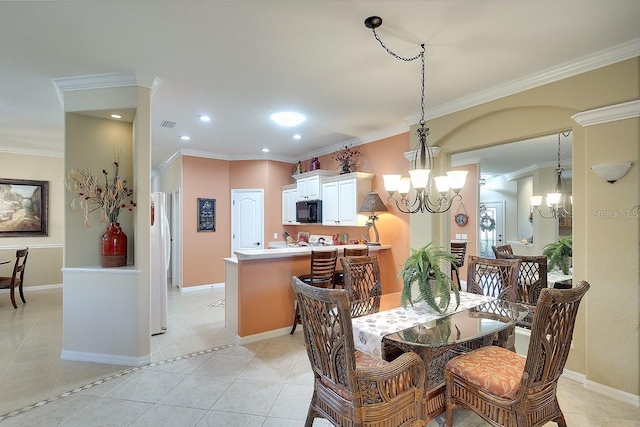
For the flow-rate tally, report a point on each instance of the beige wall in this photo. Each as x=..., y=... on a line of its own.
x=45, y=253
x=605, y=347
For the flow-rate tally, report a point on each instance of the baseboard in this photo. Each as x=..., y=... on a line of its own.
x=34, y=288
x=265, y=335
x=613, y=393
x=112, y=359
x=202, y=287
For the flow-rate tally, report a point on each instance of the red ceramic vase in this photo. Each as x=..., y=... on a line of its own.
x=113, y=251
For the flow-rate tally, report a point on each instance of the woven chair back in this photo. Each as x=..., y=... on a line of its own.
x=504, y=249
x=362, y=283
x=492, y=277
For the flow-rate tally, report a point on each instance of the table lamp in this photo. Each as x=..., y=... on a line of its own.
x=372, y=203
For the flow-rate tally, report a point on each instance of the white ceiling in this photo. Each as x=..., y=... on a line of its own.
x=240, y=61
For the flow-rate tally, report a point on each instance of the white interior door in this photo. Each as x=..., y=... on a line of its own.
x=247, y=219
x=491, y=223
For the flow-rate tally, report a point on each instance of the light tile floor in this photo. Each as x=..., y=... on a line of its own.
x=268, y=383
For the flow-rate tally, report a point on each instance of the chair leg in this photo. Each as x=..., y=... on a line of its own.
x=21, y=294
x=448, y=418
x=296, y=319
x=13, y=297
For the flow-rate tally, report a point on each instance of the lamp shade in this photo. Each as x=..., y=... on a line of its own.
x=611, y=172
x=372, y=203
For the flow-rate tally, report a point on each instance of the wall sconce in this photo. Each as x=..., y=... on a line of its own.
x=611, y=172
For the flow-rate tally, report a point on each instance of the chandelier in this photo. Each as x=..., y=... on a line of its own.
x=559, y=200
x=420, y=178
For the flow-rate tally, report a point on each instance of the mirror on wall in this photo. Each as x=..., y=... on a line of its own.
x=510, y=174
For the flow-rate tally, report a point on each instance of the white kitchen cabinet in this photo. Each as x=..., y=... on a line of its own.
x=310, y=184
x=289, y=199
x=342, y=197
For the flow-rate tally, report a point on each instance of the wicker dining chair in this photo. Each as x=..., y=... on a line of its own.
x=352, y=388
x=338, y=277
x=497, y=278
x=504, y=249
x=458, y=250
x=532, y=278
x=322, y=270
x=507, y=389
x=17, y=278
x=362, y=283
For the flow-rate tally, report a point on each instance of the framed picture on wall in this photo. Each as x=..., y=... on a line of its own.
x=206, y=214
x=23, y=207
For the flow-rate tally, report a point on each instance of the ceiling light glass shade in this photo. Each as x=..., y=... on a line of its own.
x=553, y=199
x=391, y=182
x=443, y=183
x=457, y=179
x=536, y=201
x=404, y=185
x=419, y=178
x=288, y=118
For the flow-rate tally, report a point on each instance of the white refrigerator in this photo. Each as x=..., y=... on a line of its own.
x=160, y=256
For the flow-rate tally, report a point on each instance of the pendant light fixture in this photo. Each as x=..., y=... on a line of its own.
x=559, y=199
x=420, y=177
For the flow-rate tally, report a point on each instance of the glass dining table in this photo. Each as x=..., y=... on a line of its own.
x=435, y=337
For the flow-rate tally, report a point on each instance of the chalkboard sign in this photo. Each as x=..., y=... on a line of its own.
x=206, y=214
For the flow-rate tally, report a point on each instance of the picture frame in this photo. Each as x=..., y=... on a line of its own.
x=24, y=207
x=206, y=214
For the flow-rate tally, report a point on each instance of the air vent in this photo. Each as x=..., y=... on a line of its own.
x=167, y=124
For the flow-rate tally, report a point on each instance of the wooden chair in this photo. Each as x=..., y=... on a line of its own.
x=496, y=278
x=352, y=388
x=458, y=250
x=532, y=278
x=338, y=278
x=17, y=278
x=322, y=270
x=362, y=283
x=504, y=249
x=522, y=390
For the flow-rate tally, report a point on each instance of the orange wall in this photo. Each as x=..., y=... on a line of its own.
x=471, y=200
x=202, y=252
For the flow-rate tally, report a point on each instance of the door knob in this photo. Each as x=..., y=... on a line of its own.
x=256, y=244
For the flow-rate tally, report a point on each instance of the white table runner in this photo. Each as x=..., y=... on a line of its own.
x=369, y=330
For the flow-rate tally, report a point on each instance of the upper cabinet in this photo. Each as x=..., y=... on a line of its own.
x=289, y=199
x=341, y=198
x=309, y=184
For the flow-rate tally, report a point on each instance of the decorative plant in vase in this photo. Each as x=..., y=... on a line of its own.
x=110, y=197
x=348, y=157
x=423, y=268
x=559, y=254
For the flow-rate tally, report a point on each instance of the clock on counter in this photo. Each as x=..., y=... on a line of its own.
x=461, y=218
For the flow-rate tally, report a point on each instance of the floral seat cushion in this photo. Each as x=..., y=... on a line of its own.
x=363, y=360
x=495, y=369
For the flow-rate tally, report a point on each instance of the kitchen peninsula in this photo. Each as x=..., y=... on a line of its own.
x=259, y=299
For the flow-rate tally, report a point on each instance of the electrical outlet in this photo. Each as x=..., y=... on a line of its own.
x=458, y=236
x=464, y=237
x=275, y=235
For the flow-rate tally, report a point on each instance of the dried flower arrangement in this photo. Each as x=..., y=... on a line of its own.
x=110, y=198
x=348, y=157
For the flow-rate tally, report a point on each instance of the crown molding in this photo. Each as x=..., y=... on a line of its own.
x=109, y=80
x=622, y=52
x=32, y=152
x=608, y=114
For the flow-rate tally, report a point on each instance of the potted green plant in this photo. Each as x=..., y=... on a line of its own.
x=423, y=268
x=559, y=254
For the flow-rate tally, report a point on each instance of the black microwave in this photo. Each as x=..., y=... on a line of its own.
x=309, y=211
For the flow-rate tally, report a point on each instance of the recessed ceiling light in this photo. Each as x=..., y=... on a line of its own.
x=297, y=136
x=265, y=150
x=204, y=117
x=185, y=137
x=116, y=116
x=288, y=118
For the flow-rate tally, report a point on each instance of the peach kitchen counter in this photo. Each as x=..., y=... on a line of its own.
x=259, y=299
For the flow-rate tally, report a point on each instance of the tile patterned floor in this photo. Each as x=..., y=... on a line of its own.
x=268, y=383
